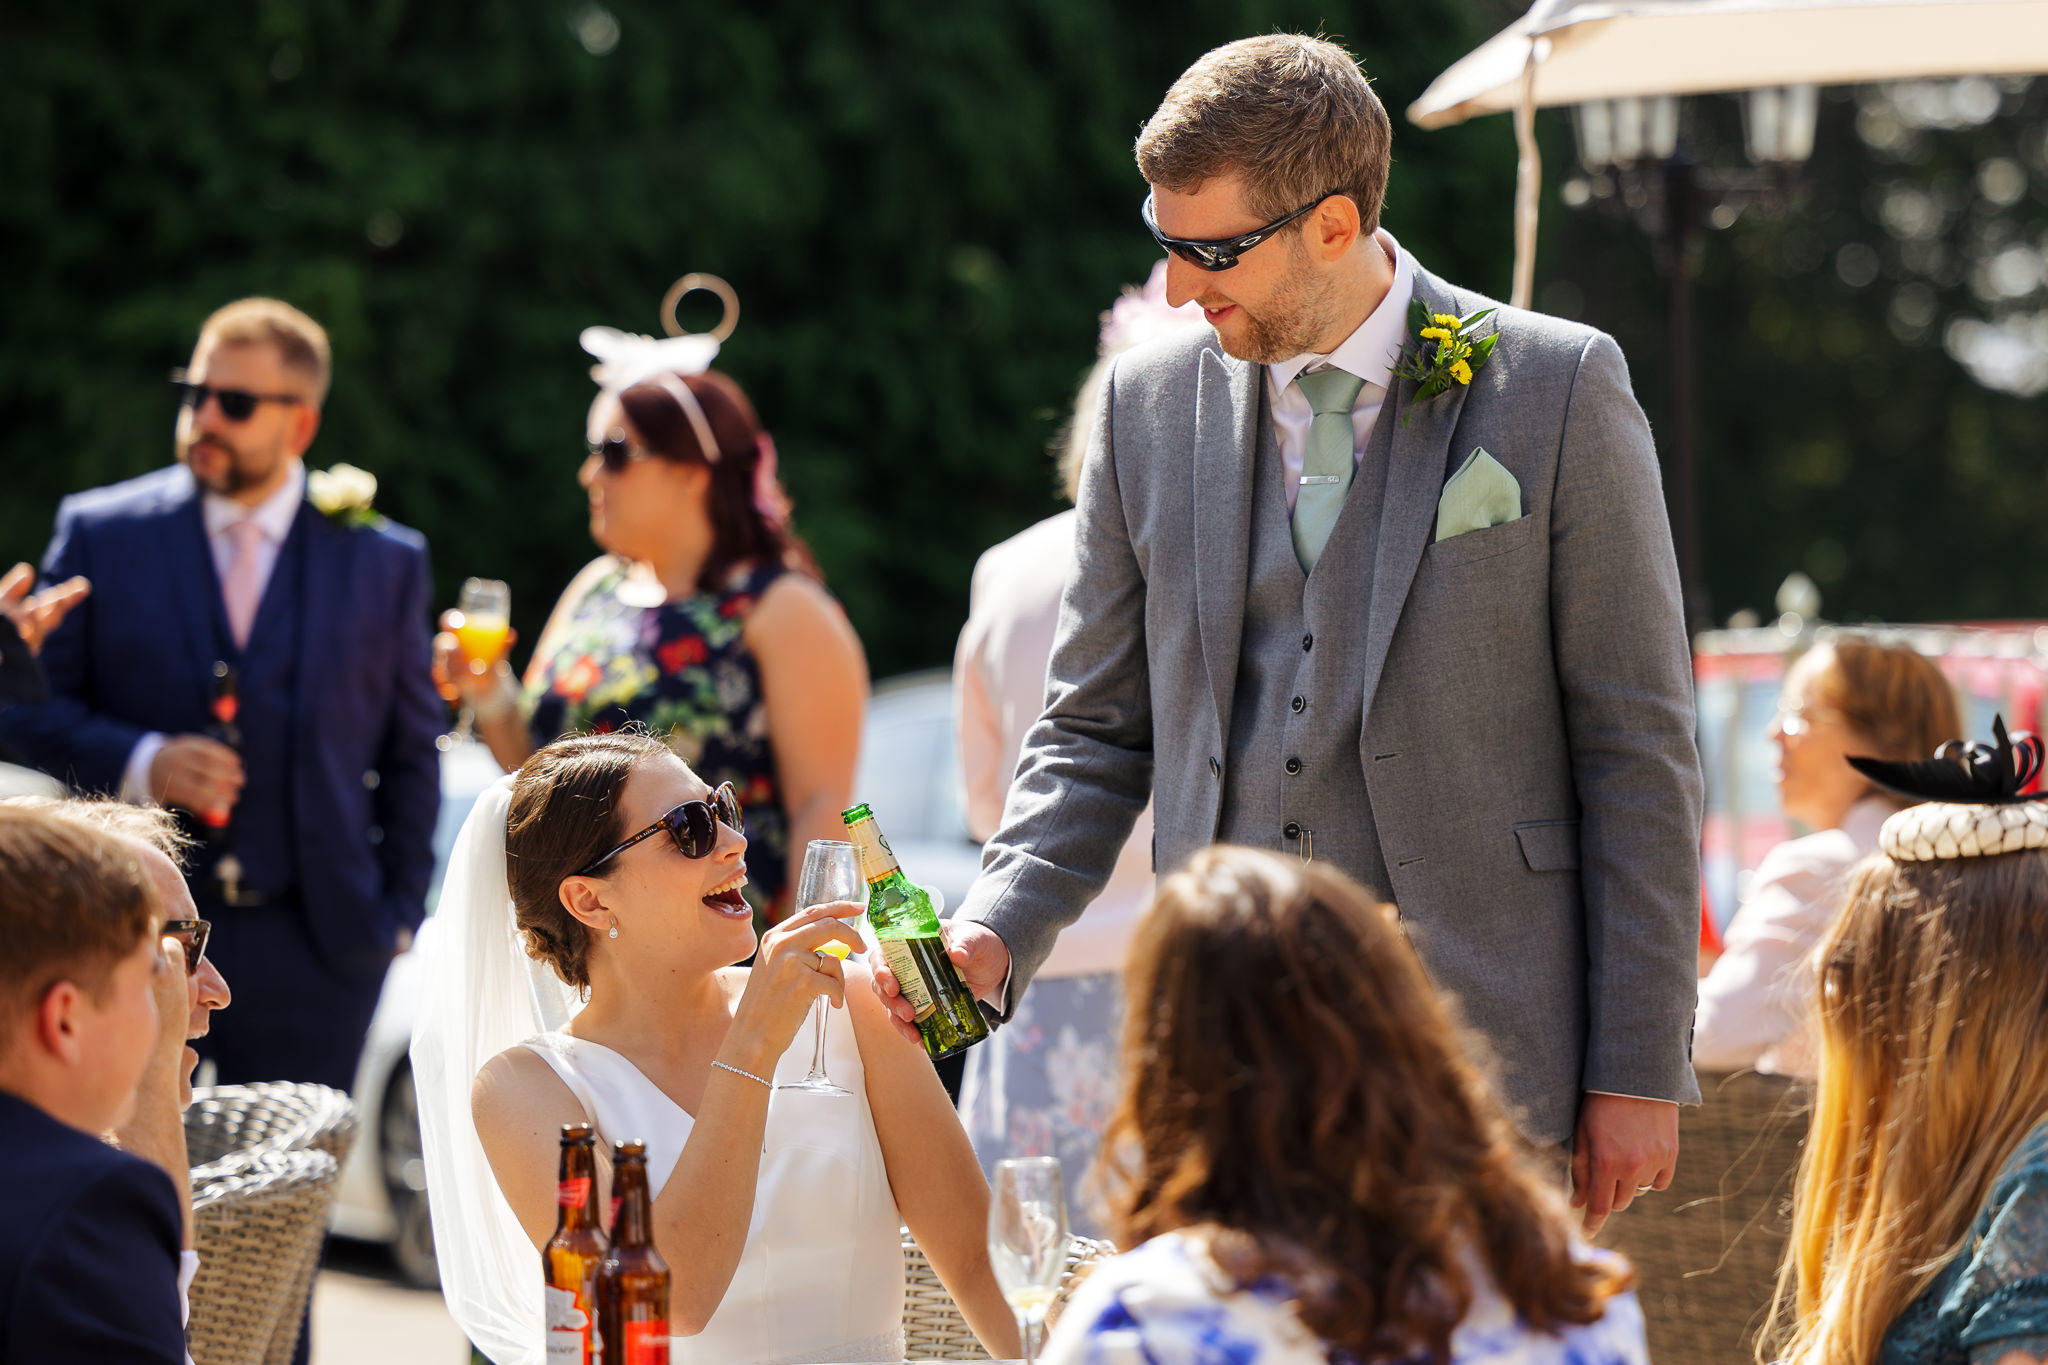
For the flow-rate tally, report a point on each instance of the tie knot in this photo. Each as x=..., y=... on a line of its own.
x=1330, y=390
x=246, y=534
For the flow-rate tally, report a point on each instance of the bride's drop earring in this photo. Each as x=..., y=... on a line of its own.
x=615, y=928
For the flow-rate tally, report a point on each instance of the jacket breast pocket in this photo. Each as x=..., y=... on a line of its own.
x=1476, y=545
x=1549, y=845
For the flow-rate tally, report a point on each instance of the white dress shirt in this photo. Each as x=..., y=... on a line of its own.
x=1756, y=1005
x=1370, y=352
x=274, y=517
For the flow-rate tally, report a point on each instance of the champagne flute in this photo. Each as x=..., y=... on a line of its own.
x=1027, y=1240
x=831, y=873
x=483, y=623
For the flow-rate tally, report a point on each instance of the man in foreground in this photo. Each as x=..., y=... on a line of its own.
x=89, y=1268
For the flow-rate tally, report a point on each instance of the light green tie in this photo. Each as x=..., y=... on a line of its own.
x=1327, y=463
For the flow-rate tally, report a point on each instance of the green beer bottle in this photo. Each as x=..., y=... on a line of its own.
x=947, y=1017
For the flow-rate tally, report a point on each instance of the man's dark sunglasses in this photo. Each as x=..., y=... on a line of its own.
x=1222, y=253
x=193, y=933
x=693, y=826
x=237, y=405
x=615, y=450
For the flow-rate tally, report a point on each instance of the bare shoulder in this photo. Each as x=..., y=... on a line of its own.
x=795, y=601
x=516, y=1091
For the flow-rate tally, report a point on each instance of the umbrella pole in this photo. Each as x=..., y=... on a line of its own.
x=1681, y=247
x=1528, y=186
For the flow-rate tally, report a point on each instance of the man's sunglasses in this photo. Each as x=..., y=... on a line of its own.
x=1222, y=253
x=693, y=826
x=616, y=451
x=193, y=933
x=237, y=405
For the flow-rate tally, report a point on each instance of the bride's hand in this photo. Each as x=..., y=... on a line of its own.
x=789, y=973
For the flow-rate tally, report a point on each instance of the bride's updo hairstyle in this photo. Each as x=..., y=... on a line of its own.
x=565, y=812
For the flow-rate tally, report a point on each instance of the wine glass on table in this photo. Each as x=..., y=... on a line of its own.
x=1027, y=1240
x=482, y=624
x=831, y=873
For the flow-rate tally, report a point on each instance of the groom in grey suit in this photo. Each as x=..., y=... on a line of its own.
x=1434, y=642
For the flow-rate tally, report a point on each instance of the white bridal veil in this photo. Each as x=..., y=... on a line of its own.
x=482, y=994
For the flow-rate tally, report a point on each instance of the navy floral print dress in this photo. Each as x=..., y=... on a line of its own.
x=681, y=669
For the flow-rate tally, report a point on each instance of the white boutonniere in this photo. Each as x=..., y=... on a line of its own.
x=343, y=495
x=1445, y=354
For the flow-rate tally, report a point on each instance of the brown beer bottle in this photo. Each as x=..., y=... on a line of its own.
x=632, y=1280
x=569, y=1260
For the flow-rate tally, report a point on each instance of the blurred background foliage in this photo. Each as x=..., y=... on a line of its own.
x=924, y=209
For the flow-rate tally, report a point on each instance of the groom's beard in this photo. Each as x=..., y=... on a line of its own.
x=1288, y=324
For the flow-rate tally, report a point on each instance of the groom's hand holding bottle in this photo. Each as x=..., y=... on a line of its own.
x=197, y=774
x=977, y=950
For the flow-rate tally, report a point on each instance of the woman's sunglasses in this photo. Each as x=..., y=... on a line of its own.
x=616, y=451
x=693, y=826
x=237, y=405
x=1222, y=252
x=193, y=933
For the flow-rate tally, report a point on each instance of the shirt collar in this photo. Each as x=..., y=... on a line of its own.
x=1371, y=350
x=274, y=515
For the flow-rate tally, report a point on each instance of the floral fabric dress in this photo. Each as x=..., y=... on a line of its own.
x=1167, y=1303
x=683, y=670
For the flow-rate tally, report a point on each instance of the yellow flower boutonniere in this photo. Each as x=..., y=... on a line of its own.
x=1445, y=352
x=343, y=495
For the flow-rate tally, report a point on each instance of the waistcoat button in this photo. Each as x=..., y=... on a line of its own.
x=1307, y=643
x=1215, y=767
x=1298, y=704
x=1293, y=766
x=1292, y=831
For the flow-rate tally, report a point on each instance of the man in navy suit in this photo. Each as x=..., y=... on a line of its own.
x=219, y=565
x=89, y=1265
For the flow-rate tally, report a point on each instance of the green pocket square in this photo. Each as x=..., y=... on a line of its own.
x=1481, y=494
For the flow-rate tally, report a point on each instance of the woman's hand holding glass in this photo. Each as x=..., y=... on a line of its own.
x=831, y=878
x=792, y=969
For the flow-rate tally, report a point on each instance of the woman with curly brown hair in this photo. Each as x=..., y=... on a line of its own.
x=1309, y=1167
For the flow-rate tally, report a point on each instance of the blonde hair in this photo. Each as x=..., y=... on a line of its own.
x=1896, y=699
x=1292, y=115
x=150, y=825
x=256, y=321
x=1931, y=1001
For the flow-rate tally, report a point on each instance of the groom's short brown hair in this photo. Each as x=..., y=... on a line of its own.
x=1292, y=115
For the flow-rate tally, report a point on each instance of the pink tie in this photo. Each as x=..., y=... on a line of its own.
x=243, y=589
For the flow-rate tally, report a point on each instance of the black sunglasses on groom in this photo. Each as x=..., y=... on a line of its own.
x=237, y=405
x=693, y=826
x=1218, y=253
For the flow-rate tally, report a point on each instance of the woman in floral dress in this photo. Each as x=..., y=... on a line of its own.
x=704, y=621
x=1308, y=1168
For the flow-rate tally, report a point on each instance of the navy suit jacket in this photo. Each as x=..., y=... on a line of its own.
x=89, y=1265
x=136, y=656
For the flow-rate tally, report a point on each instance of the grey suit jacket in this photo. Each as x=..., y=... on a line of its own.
x=1528, y=742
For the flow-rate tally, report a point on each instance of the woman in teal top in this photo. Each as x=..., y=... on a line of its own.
x=705, y=622
x=1920, y=1225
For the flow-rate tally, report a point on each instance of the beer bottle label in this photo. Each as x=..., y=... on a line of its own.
x=570, y=1194
x=903, y=963
x=613, y=1221
x=646, y=1343
x=568, y=1328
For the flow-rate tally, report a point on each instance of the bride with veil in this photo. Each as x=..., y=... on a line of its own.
x=594, y=983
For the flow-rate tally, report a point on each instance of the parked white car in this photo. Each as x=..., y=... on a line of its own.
x=907, y=773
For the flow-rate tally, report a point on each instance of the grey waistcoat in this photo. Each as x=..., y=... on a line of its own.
x=1293, y=781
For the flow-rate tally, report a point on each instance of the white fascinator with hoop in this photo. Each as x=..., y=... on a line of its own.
x=625, y=359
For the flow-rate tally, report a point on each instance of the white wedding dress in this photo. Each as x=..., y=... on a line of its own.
x=821, y=1277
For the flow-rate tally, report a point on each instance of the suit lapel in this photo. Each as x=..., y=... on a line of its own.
x=1226, y=436
x=323, y=596
x=1415, y=481
x=195, y=587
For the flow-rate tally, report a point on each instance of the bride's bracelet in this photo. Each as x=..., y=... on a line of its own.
x=724, y=1066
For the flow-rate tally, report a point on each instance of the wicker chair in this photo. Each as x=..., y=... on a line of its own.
x=259, y=1221
x=265, y=1162
x=1706, y=1251
x=933, y=1328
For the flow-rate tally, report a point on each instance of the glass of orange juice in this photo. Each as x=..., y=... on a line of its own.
x=482, y=621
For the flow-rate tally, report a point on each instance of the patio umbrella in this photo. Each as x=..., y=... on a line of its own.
x=1571, y=51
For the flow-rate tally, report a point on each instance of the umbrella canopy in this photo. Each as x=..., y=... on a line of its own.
x=1608, y=49
x=1570, y=51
